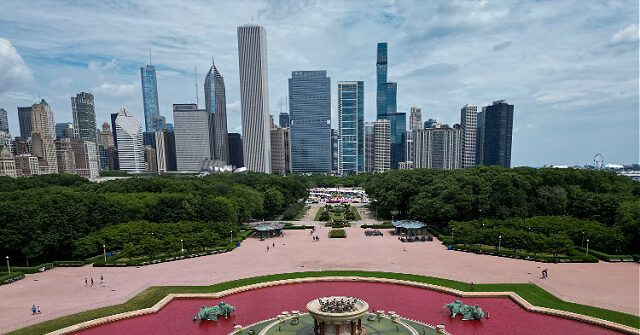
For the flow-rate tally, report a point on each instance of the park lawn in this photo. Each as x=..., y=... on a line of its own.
x=357, y=214
x=317, y=217
x=530, y=292
x=301, y=213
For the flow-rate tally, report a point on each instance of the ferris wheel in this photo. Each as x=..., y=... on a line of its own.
x=598, y=161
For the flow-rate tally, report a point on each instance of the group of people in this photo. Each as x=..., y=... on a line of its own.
x=544, y=274
x=35, y=310
x=86, y=282
x=316, y=238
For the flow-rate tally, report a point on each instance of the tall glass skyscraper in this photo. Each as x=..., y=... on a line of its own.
x=152, y=119
x=84, y=117
x=310, y=118
x=387, y=107
x=216, y=104
x=24, y=118
x=495, y=132
x=350, y=127
x=381, y=79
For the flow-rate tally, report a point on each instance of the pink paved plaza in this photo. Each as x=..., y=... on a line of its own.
x=61, y=291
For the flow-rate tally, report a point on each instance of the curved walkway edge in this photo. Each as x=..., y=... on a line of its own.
x=513, y=296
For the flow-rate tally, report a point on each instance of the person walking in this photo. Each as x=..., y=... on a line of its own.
x=38, y=310
x=33, y=310
x=267, y=248
x=274, y=244
x=101, y=279
x=91, y=281
x=85, y=281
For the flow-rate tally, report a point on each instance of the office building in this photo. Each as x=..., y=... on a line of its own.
x=161, y=152
x=150, y=164
x=369, y=147
x=85, y=158
x=170, y=149
x=410, y=150
x=84, y=117
x=387, y=108
x=24, y=119
x=128, y=132
x=106, y=137
x=216, y=104
x=235, y=150
x=21, y=146
x=193, y=145
x=437, y=148
x=382, y=137
x=350, y=127
x=43, y=135
x=283, y=120
x=65, y=157
x=64, y=129
x=7, y=162
x=310, y=120
x=334, y=150
x=280, y=150
x=496, y=129
x=26, y=165
x=5, y=139
x=430, y=123
x=4, y=120
x=254, y=97
x=152, y=119
x=468, y=126
x=415, y=121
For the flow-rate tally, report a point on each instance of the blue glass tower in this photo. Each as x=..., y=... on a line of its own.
x=350, y=127
x=387, y=107
x=152, y=119
x=310, y=119
x=381, y=76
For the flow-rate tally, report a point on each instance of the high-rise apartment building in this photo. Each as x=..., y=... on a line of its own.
x=310, y=119
x=350, y=127
x=216, y=104
x=254, y=97
x=170, y=149
x=415, y=121
x=86, y=158
x=4, y=120
x=152, y=119
x=193, y=145
x=283, y=120
x=65, y=156
x=24, y=119
x=84, y=117
x=382, y=137
x=43, y=135
x=27, y=165
x=235, y=150
x=128, y=132
x=280, y=150
x=496, y=129
x=7, y=162
x=437, y=148
x=468, y=125
x=369, y=147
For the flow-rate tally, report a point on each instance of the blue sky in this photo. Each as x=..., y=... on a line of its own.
x=569, y=67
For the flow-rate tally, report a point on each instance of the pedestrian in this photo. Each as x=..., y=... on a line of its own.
x=472, y=286
x=274, y=244
x=101, y=279
x=85, y=281
x=267, y=248
x=33, y=310
x=91, y=281
x=38, y=310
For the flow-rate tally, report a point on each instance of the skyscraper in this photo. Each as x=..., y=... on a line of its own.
x=430, y=123
x=216, y=104
x=64, y=129
x=496, y=129
x=437, y=148
x=4, y=120
x=310, y=118
x=381, y=80
x=415, y=122
x=350, y=127
x=280, y=150
x=468, y=125
x=382, y=136
x=43, y=135
x=152, y=119
x=24, y=118
x=334, y=150
x=84, y=117
x=192, y=127
x=283, y=120
x=129, y=138
x=254, y=97
x=369, y=147
x=387, y=108
x=235, y=150
x=170, y=149
x=106, y=137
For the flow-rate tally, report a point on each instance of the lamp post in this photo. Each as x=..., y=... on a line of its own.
x=582, y=243
x=232, y=236
x=181, y=245
x=8, y=266
x=104, y=251
x=499, y=242
x=587, y=246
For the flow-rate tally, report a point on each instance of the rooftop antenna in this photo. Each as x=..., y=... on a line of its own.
x=149, y=56
x=195, y=78
x=212, y=63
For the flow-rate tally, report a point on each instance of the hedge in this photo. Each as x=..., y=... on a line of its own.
x=338, y=233
x=293, y=210
x=607, y=257
x=10, y=278
x=295, y=227
x=576, y=256
x=28, y=269
x=378, y=226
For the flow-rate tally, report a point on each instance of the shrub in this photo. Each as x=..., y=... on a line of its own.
x=604, y=256
x=378, y=226
x=338, y=233
x=10, y=278
x=293, y=210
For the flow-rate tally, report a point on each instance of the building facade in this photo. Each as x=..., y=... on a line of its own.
x=496, y=130
x=152, y=119
x=369, y=147
x=283, y=120
x=387, y=108
x=84, y=117
x=86, y=158
x=170, y=149
x=468, y=126
x=310, y=121
x=65, y=156
x=24, y=119
x=7, y=162
x=106, y=136
x=26, y=165
x=437, y=148
x=216, y=104
x=334, y=150
x=129, y=139
x=235, y=150
x=415, y=121
x=350, y=127
x=43, y=135
x=382, y=137
x=280, y=151
x=4, y=120
x=64, y=129
x=193, y=145
x=254, y=97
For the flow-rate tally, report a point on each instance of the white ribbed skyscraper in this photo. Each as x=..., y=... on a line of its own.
x=468, y=123
x=254, y=96
x=129, y=135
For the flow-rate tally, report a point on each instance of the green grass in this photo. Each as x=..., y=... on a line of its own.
x=300, y=214
x=338, y=233
x=530, y=292
x=317, y=217
x=355, y=211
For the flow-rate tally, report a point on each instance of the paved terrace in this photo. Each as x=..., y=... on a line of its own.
x=61, y=291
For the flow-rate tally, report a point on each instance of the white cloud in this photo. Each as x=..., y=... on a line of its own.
x=629, y=34
x=117, y=90
x=61, y=82
x=14, y=73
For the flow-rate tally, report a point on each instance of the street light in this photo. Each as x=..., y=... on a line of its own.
x=499, y=242
x=181, y=245
x=232, y=236
x=587, y=246
x=104, y=250
x=8, y=266
x=582, y=243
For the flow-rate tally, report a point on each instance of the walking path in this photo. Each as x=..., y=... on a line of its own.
x=61, y=291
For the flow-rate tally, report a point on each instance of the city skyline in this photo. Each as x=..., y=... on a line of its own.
x=457, y=56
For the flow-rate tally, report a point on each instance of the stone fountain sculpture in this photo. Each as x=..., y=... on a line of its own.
x=211, y=313
x=467, y=312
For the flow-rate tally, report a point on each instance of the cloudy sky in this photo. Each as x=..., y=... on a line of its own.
x=569, y=67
